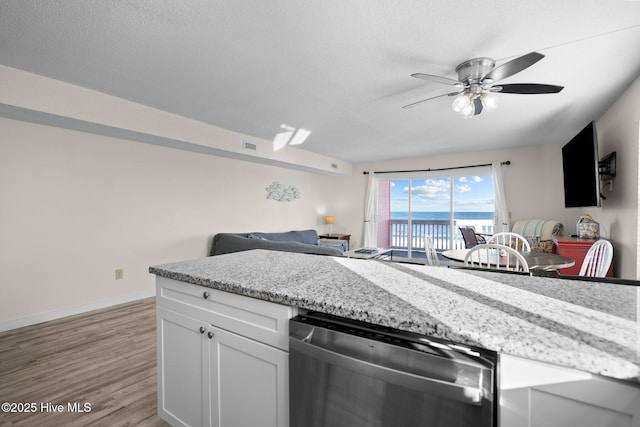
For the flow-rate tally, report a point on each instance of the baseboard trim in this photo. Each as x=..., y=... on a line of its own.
x=52, y=315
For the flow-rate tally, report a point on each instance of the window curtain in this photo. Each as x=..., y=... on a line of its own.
x=370, y=229
x=501, y=212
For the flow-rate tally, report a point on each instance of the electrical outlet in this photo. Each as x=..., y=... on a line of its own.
x=119, y=274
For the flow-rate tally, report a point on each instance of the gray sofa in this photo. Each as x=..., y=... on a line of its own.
x=301, y=241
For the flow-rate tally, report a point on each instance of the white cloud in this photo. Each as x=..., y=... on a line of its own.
x=463, y=188
x=431, y=189
x=475, y=178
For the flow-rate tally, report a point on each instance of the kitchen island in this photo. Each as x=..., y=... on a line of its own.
x=591, y=327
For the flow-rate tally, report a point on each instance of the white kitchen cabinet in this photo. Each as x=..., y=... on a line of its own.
x=536, y=394
x=182, y=380
x=213, y=376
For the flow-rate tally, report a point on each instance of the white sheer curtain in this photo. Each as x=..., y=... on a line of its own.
x=370, y=207
x=501, y=212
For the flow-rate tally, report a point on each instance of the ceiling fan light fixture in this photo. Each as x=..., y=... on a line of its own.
x=468, y=111
x=475, y=85
x=489, y=101
x=461, y=102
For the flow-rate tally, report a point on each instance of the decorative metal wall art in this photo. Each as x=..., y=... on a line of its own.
x=282, y=193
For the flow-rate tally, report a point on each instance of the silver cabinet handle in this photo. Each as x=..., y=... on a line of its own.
x=205, y=295
x=202, y=329
x=210, y=335
x=465, y=394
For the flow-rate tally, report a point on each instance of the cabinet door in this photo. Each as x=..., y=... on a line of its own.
x=537, y=394
x=576, y=252
x=182, y=352
x=576, y=249
x=249, y=382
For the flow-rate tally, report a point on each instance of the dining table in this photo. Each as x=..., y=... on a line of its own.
x=535, y=260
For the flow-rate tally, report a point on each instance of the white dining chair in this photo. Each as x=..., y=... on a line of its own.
x=598, y=259
x=430, y=251
x=494, y=256
x=513, y=240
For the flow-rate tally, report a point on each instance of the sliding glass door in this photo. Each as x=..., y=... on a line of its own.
x=411, y=207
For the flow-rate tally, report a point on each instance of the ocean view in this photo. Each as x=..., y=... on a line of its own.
x=436, y=225
x=442, y=216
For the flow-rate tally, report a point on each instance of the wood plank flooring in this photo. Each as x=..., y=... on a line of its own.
x=105, y=358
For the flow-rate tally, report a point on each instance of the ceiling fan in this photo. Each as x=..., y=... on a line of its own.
x=475, y=85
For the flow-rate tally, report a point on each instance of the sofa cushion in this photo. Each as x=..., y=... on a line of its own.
x=310, y=237
x=546, y=246
x=540, y=233
x=544, y=229
x=224, y=243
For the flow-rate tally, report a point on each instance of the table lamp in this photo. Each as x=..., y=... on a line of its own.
x=329, y=220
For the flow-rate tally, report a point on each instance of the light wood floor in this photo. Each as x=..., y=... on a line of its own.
x=106, y=358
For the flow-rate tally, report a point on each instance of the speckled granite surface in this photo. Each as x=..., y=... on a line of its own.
x=589, y=326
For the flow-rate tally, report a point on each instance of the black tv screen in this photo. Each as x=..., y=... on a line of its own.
x=580, y=169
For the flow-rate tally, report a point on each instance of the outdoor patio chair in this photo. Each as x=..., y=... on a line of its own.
x=471, y=238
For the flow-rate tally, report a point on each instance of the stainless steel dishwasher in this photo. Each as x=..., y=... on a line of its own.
x=345, y=373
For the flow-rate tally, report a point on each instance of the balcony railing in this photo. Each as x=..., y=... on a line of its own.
x=439, y=230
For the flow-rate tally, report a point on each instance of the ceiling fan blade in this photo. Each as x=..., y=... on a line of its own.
x=429, y=99
x=477, y=106
x=514, y=66
x=527, y=88
x=436, y=79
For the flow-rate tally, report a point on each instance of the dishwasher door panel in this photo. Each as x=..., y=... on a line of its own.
x=342, y=379
x=324, y=395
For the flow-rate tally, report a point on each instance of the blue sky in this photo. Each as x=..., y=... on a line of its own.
x=471, y=194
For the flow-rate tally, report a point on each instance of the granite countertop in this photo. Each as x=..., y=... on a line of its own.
x=585, y=325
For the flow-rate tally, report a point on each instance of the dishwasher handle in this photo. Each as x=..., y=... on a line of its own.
x=465, y=394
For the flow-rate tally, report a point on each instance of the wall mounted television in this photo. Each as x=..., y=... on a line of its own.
x=580, y=169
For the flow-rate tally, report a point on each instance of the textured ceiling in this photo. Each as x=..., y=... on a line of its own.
x=338, y=68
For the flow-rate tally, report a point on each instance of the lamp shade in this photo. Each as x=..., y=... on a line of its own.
x=328, y=219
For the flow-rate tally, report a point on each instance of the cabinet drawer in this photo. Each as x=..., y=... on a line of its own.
x=262, y=321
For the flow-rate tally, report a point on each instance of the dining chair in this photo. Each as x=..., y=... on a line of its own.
x=598, y=259
x=471, y=238
x=513, y=240
x=493, y=256
x=430, y=251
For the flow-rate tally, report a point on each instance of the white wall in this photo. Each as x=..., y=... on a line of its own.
x=618, y=131
x=76, y=206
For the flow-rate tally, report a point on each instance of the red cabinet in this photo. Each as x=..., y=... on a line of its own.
x=576, y=249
